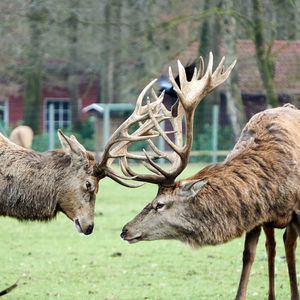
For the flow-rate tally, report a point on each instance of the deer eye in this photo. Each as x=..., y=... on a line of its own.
x=88, y=185
x=160, y=205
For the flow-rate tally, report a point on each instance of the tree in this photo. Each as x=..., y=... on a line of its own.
x=263, y=52
x=73, y=80
x=110, y=79
x=235, y=105
x=36, y=14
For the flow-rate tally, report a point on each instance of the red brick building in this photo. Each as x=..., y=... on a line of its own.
x=54, y=91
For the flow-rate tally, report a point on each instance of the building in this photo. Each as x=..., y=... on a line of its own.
x=54, y=91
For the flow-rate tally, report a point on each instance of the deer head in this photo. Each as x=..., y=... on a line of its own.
x=77, y=195
x=161, y=218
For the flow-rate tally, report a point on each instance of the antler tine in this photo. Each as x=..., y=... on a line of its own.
x=219, y=69
x=174, y=83
x=210, y=65
x=201, y=68
x=142, y=95
x=150, y=168
x=160, y=97
x=195, y=74
x=156, y=150
x=118, y=180
x=156, y=166
x=158, y=177
x=181, y=73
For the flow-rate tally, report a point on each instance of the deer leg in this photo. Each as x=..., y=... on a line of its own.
x=271, y=252
x=290, y=243
x=248, y=259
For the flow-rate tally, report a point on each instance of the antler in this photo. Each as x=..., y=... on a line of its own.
x=149, y=118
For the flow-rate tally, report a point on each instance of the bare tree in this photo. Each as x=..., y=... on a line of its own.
x=265, y=60
x=36, y=13
x=73, y=79
x=235, y=106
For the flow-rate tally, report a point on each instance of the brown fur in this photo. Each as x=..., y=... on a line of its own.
x=36, y=186
x=258, y=184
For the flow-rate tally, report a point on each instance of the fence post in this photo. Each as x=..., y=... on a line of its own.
x=51, y=127
x=106, y=117
x=215, y=124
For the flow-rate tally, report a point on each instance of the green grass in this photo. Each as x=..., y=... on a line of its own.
x=53, y=261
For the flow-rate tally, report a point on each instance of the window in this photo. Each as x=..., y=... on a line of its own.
x=61, y=113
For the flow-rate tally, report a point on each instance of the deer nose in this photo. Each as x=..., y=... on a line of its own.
x=123, y=233
x=89, y=230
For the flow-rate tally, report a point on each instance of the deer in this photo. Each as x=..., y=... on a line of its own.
x=36, y=186
x=22, y=135
x=255, y=186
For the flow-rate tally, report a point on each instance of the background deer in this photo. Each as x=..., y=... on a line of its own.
x=36, y=186
x=22, y=136
x=257, y=185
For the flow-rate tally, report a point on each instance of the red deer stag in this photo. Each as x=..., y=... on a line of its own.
x=22, y=136
x=257, y=185
x=36, y=186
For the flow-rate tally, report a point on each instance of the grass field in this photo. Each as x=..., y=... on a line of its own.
x=53, y=261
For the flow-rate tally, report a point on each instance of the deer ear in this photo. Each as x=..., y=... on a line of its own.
x=71, y=146
x=192, y=187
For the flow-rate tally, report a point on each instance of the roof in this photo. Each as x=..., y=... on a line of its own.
x=93, y=108
x=100, y=107
x=287, y=65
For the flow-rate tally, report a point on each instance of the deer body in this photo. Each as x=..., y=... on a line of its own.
x=256, y=186
x=36, y=186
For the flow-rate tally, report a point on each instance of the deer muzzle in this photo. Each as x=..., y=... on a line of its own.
x=126, y=236
x=83, y=227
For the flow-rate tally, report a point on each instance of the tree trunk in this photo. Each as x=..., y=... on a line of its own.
x=210, y=38
x=264, y=61
x=235, y=106
x=110, y=82
x=33, y=69
x=73, y=80
x=297, y=19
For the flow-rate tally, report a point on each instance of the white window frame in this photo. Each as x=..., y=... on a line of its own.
x=61, y=121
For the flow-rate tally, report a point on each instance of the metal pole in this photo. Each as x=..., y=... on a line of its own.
x=215, y=124
x=51, y=127
x=106, y=117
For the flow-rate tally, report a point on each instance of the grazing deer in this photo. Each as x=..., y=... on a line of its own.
x=36, y=186
x=22, y=136
x=257, y=185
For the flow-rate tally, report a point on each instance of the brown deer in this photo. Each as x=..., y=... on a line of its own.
x=36, y=186
x=257, y=185
x=22, y=136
